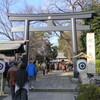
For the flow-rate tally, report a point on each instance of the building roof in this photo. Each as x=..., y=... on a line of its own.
x=11, y=47
x=61, y=55
x=81, y=55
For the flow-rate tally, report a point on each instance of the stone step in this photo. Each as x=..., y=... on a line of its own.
x=52, y=90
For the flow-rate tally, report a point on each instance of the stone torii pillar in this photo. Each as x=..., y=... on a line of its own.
x=26, y=37
x=74, y=45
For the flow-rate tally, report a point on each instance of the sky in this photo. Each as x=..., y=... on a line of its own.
x=37, y=4
x=20, y=4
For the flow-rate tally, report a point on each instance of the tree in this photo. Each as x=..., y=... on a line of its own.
x=54, y=52
x=65, y=44
x=67, y=6
x=5, y=22
x=40, y=46
x=95, y=26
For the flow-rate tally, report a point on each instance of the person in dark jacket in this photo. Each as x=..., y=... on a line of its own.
x=32, y=71
x=11, y=77
x=21, y=87
x=34, y=62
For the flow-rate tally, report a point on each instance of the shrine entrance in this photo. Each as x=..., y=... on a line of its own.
x=73, y=27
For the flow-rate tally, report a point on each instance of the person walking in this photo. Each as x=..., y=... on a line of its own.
x=36, y=70
x=31, y=69
x=21, y=87
x=11, y=78
x=63, y=66
x=43, y=66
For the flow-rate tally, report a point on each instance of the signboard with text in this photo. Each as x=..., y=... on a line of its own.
x=91, y=53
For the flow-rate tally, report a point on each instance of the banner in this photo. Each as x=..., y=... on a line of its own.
x=91, y=53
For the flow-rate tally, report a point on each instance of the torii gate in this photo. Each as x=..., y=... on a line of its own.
x=50, y=17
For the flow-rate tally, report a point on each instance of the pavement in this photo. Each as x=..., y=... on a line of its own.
x=56, y=85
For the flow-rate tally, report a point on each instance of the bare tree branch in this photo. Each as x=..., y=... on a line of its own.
x=60, y=9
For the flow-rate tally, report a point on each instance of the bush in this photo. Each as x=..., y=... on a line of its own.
x=98, y=65
x=88, y=92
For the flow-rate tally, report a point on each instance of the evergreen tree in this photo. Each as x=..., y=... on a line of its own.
x=95, y=27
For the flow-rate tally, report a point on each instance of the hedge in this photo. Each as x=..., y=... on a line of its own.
x=98, y=65
x=88, y=92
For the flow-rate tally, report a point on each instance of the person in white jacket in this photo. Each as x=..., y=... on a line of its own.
x=43, y=66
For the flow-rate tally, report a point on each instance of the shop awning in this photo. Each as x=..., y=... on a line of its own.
x=11, y=47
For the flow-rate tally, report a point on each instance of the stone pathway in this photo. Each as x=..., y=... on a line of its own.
x=55, y=85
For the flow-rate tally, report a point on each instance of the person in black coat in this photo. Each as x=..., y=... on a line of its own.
x=21, y=87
